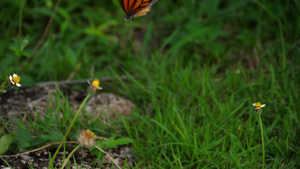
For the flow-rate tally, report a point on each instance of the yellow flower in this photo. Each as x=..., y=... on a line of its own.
x=95, y=85
x=15, y=79
x=87, y=138
x=258, y=106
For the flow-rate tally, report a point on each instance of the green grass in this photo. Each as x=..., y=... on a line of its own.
x=199, y=117
x=199, y=66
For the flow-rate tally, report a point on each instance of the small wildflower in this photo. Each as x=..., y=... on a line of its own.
x=15, y=79
x=258, y=106
x=95, y=85
x=87, y=138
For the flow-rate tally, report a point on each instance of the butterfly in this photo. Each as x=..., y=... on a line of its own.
x=136, y=8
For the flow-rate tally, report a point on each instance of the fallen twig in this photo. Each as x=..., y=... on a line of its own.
x=39, y=44
x=74, y=82
x=45, y=146
x=108, y=156
x=37, y=149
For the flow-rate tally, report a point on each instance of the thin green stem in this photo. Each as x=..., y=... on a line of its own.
x=282, y=45
x=66, y=161
x=6, y=162
x=4, y=85
x=20, y=25
x=262, y=140
x=64, y=139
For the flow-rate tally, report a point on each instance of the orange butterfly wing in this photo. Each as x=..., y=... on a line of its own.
x=136, y=8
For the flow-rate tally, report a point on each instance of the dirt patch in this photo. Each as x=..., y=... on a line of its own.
x=29, y=101
x=83, y=158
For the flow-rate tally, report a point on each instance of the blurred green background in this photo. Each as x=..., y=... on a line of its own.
x=200, y=66
x=91, y=37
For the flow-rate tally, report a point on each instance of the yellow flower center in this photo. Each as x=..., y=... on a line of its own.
x=96, y=82
x=89, y=135
x=16, y=79
x=258, y=104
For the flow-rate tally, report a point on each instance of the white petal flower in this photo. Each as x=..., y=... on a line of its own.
x=258, y=106
x=15, y=79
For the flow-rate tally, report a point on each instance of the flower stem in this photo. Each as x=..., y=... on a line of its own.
x=66, y=161
x=64, y=139
x=262, y=140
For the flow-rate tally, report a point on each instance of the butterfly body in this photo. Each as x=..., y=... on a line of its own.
x=136, y=8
